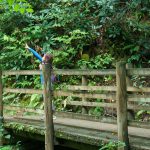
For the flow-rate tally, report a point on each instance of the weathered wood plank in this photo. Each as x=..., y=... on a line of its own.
x=62, y=72
x=85, y=95
x=136, y=89
x=143, y=98
x=106, y=88
x=139, y=71
x=84, y=72
x=101, y=104
x=91, y=104
x=23, y=109
x=62, y=93
x=121, y=97
x=103, y=119
x=138, y=107
x=79, y=116
x=25, y=91
x=91, y=88
x=139, y=124
x=21, y=72
x=139, y=98
x=84, y=117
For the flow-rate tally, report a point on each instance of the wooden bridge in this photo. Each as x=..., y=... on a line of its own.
x=79, y=130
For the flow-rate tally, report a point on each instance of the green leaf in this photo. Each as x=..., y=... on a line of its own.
x=16, y=7
x=29, y=10
x=22, y=10
x=140, y=112
x=10, y=2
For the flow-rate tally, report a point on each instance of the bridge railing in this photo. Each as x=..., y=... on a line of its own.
x=122, y=96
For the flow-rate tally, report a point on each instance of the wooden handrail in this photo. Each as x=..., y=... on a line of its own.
x=130, y=71
x=21, y=72
x=138, y=71
x=24, y=91
x=63, y=72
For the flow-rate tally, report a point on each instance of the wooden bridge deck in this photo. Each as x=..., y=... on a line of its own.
x=77, y=130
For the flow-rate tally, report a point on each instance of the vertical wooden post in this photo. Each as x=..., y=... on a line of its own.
x=84, y=82
x=49, y=133
x=121, y=97
x=1, y=109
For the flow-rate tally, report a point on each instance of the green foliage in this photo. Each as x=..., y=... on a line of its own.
x=21, y=6
x=35, y=100
x=143, y=115
x=97, y=111
x=9, y=147
x=112, y=146
x=99, y=62
x=69, y=29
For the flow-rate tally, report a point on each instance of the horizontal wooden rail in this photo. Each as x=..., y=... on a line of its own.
x=102, y=104
x=62, y=93
x=85, y=72
x=23, y=109
x=136, y=89
x=139, y=124
x=84, y=95
x=139, y=98
x=106, y=88
x=131, y=71
x=21, y=72
x=92, y=104
x=62, y=72
x=25, y=91
x=91, y=88
x=139, y=71
x=138, y=107
x=85, y=88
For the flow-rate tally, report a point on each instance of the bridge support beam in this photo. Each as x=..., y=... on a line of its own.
x=47, y=91
x=121, y=98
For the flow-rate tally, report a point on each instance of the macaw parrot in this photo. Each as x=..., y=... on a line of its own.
x=41, y=59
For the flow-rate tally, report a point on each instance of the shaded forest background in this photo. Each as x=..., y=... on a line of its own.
x=91, y=33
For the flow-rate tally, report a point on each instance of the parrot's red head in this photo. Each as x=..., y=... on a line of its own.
x=47, y=58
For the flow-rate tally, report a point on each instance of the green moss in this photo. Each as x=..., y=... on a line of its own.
x=9, y=147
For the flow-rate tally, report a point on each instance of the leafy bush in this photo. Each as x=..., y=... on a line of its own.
x=79, y=33
x=112, y=146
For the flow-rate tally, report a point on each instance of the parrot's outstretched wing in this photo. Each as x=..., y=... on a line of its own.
x=35, y=54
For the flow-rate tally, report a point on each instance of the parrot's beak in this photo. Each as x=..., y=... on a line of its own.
x=26, y=46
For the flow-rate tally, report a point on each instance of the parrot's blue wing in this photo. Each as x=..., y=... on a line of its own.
x=35, y=54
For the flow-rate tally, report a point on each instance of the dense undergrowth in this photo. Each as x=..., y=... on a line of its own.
x=90, y=34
